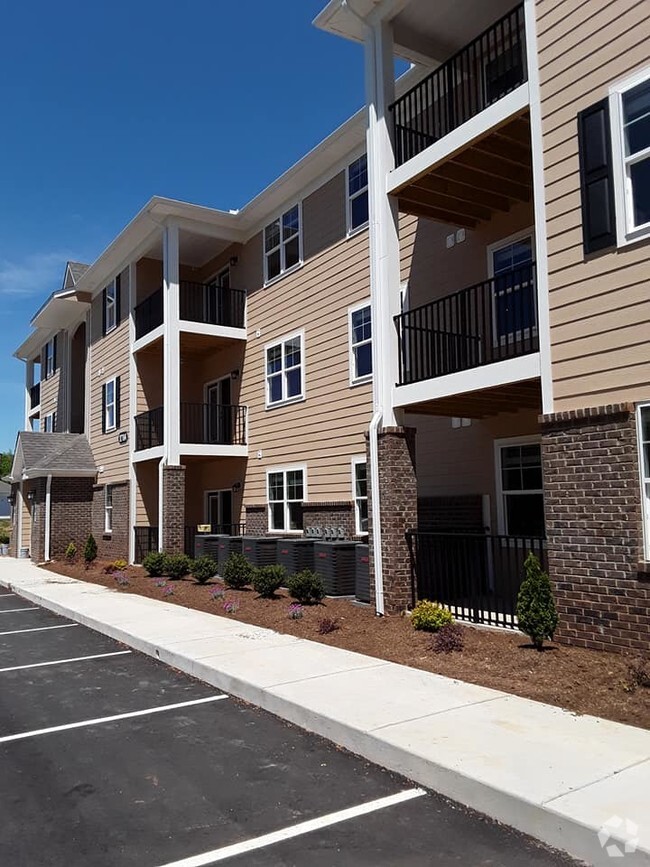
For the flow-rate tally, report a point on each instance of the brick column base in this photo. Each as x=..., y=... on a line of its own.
x=37, y=542
x=173, y=509
x=593, y=525
x=399, y=513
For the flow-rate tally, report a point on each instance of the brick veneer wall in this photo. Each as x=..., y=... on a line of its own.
x=399, y=513
x=256, y=520
x=71, y=514
x=173, y=528
x=451, y=513
x=593, y=525
x=115, y=545
x=37, y=542
x=333, y=515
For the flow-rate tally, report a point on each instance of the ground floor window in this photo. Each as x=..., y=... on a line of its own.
x=360, y=494
x=286, y=494
x=643, y=433
x=521, y=492
x=108, y=509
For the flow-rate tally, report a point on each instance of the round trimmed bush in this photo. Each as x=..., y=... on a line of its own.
x=306, y=587
x=177, y=565
x=203, y=569
x=154, y=564
x=237, y=571
x=430, y=616
x=268, y=579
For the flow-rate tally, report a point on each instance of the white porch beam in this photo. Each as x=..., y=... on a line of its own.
x=172, y=346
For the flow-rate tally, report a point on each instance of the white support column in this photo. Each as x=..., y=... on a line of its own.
x=133, y=398
x=29, y=382
x=18, y=506
x=48, y=519
x=172, y=345
x=384, y=227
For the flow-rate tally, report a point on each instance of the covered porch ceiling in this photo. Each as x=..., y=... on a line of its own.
x=484, y=402
x=470, y=186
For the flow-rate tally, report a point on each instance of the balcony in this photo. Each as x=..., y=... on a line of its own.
x=212, y=424
x=207, y=304
x=149, y=429
x=476, y=77
x=490, y=323
x=35, y=396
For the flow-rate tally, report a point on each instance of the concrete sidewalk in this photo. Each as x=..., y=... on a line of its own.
x=550, y=773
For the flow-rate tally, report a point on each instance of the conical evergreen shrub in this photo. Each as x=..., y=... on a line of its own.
x=536, y=612
x=90, y=550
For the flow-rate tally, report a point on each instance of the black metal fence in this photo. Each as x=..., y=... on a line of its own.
x=146, y=541
x=212, y=424
x=35, y=395
x=481, y=73
x=491, y=321
x=149, y=314
x=212, y=304
x=477, y=576
x=149, y=429
x=226, y=529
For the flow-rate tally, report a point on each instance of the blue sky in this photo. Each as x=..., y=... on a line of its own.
x=106, y=104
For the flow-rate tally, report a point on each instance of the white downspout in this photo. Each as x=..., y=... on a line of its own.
x=373, y=429
x=48, y=517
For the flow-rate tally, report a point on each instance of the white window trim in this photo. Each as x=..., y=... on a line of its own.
x=49, y=346
x=356, y=460
x=108, y=510
x=645, y=499
x=498, y=445
x=269, y=281
x=303, y=391
x=286, y=469
x=626, y=233
x=358, y=380
x=48, y=418
x=496, y=245
x=108, y=428
x=348, y=200
x=110, y=305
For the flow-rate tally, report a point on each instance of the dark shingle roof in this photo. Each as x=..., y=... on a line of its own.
x=57, y=452
x=77, y=270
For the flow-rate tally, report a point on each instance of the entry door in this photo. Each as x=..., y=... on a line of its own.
x=219, y=422
x=514, y=290
x=219, y=515
x=218, y=299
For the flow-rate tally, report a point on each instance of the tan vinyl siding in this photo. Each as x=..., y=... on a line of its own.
x=109, y=357
x=324, y=217
x=600, y=308
x=52, y=389
x=217, y=474
x=146, y=494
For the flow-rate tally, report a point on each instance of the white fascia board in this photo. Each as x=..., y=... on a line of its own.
x=212, y=451
x=32, y=345
x=489, y=376
x=59, y=313
x=40, y=472
x=154, y=454
x=211, y=330
x=460, y=138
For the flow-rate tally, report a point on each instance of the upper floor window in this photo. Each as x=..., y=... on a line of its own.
x=111, y=405
x=50, y=358
x=282, y=244
x=49, y=423
x=285, y=370
x=521, y=510
x=357, y=180
x=360, y=326
x=515, y=304
x=286, y=494
x=631, y=128
x=111, y=299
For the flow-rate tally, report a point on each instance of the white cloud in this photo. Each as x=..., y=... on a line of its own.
x=38, y=274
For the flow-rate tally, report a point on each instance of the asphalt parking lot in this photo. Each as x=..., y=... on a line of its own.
x=108, y=757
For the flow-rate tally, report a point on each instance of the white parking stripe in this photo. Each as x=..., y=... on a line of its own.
x=62, y=661
x=297, y=830
x=40, y=629
x=93, y=722
x=16, y=610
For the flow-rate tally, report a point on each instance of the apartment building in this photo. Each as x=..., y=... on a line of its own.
x=431, y=326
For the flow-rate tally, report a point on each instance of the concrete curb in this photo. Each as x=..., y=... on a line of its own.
x=543, y=821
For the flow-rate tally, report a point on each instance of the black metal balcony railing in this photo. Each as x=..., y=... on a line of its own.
x=212, y=304
x=146, y=541
x=35, y=395
x=209, y=424
x=477, y=576
x=477, y=76
x=149, y=314
x=491, y=321
x=149, y=429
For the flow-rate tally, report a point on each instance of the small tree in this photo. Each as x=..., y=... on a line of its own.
x=536, y=612
x=90, y=550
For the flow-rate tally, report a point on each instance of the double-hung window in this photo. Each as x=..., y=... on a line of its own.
x=110, y=307
x=360, y=493
x=631, y=127
x=357, y=182
x=285, y=370
x=110, y=405
x=514, y=289
x=286, y=494
x=643, y=435
x=48, y=423
x=108, y=509
x=360, y=324
x=49, y=358
x=282, y=244
x=521, y=509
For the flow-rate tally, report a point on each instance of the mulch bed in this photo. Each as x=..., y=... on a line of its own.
x=583, y=681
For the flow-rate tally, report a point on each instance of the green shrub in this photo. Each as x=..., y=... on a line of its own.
x=268, y=579
x=177, y=565
x=71, y=552
x=90, y=550
x=120, y=565
x=306, y=587
x=154, y=564
x=536, y=613
x=203, y=569
x=237, y=571
x=430, y=616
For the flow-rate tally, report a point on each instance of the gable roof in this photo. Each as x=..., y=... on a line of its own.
x=73, y=272
x=40, y=454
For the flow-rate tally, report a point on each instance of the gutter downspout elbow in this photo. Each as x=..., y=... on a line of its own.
x=373, y=437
